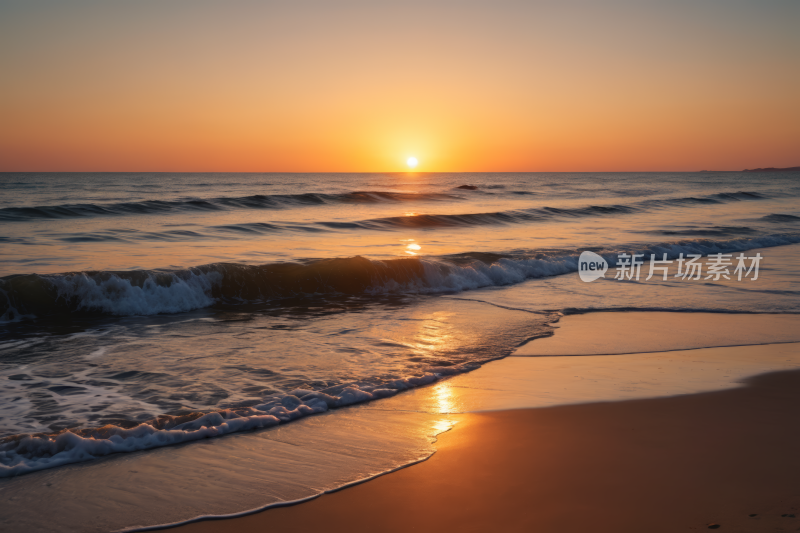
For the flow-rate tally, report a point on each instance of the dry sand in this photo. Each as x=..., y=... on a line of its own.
x=663, y=465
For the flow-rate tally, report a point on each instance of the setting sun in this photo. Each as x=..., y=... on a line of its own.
x=412, y=162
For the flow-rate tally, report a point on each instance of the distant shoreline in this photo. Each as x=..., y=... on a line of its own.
x=772, y=169
x=768, y=169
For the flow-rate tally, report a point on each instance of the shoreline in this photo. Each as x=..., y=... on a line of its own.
x=662, y=464
x=643, y=332
x=337, y=452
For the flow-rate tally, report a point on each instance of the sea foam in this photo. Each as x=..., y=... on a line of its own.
x=22, y=454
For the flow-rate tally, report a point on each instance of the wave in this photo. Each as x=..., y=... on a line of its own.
x=778, y=217
x=714, y=231
x=719, y=198
x=521, y=216
x=381, y=224
x=150, y=292
x=259, y=201
x=477, y=219
x=147, y=292
x=22, y=454
x=282, y=201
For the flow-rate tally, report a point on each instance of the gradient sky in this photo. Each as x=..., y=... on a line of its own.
x=335, y=86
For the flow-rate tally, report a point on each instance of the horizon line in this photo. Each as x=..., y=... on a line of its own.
x=381, y=171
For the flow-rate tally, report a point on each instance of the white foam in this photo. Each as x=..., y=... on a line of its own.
x=118, y=296
x=30, y=453
x=16, y=415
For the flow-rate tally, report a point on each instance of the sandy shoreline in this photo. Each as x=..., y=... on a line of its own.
x=665, y=464
x=543, y=443
x=625, y=332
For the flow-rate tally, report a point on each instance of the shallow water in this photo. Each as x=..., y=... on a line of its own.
x=207, y=304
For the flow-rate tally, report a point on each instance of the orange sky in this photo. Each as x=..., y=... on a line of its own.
x=360, y=86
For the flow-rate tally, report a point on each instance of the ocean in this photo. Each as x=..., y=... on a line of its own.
x=143, y=310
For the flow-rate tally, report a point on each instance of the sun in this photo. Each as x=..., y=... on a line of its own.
x=412, y=162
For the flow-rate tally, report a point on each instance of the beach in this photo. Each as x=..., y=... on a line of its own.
x=675, y=439
x=677, y=463
x=674, y=464
x=669, y=464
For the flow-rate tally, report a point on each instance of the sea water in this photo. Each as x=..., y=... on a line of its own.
x=139, y=311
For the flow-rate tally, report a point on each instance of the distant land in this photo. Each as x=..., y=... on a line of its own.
x=772, y=169
x=769, y=169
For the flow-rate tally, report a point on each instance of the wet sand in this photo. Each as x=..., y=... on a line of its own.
x=627, y=332
x=667, y=464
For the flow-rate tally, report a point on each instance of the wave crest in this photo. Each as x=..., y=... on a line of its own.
x=154, y=292
x=258, y=201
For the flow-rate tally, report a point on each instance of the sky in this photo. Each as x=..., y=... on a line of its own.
x=346, y=86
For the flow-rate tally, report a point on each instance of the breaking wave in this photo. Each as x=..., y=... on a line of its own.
x=146, y=292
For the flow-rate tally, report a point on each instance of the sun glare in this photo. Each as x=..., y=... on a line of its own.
x=412, y=162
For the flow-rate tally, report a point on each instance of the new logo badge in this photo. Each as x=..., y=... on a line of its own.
x=591, y=266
